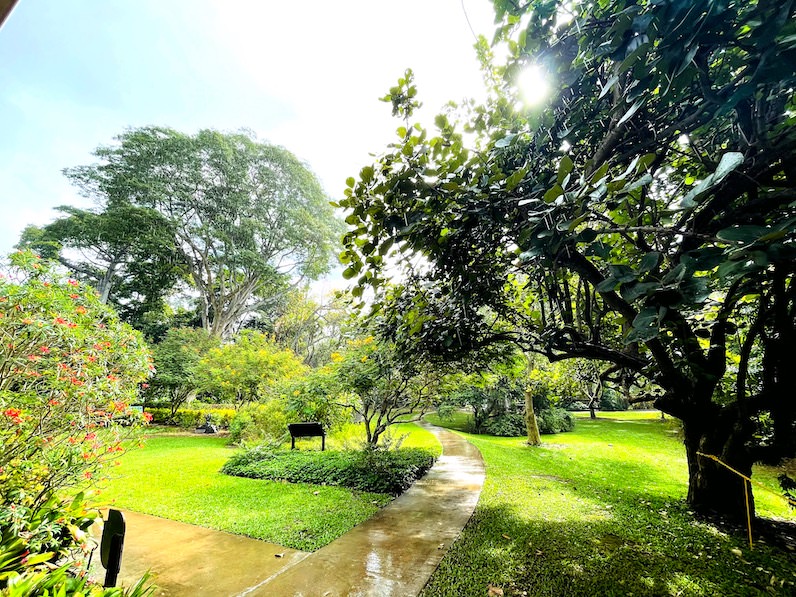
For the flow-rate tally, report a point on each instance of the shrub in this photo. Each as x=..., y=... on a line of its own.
x=246, y=369
x=259, y=421
x=313, y=398
x=377, y=471
x=555, y=420
x=191, y=418
x=612, y=400
x=69, y=371
x=507, y=425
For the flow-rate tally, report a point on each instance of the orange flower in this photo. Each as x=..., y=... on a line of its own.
x=81, y=309
x=72, y=282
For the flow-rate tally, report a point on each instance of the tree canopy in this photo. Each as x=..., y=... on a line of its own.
x=244, y=218
x=642, y=216
x=125, y=252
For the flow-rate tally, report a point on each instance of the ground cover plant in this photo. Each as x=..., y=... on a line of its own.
x=177, y=476
x=379, y=471
x=601, y=511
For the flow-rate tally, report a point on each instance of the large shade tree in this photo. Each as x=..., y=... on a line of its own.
x=125, y=252
x=247, y=218
x=644, y=213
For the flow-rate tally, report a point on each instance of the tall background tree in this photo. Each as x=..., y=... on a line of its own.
x=127, y=253
x=645, y=211
x=244, y=219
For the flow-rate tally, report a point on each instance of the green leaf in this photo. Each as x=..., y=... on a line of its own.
x=350, y=182
x=553, y=193
x=565, y=166
x=505, y=141
x=631, y=292
x=743, y=234
x=632, y=110
x=608, y=85
x=729, y=162
x=515, y=179
x=599, y=174
x=649, y=261
x=366, y=174
x=607, y=285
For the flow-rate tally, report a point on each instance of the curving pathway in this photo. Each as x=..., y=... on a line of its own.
x=392, y=553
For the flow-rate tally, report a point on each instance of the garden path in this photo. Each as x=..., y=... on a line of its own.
x=392, y=553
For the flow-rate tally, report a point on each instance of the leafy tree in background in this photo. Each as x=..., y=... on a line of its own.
x=381, y=388
x=245, y=217
x=645, y=210
x=311, y=328
x=126, y=252
x=244, y=370
x=177, y=357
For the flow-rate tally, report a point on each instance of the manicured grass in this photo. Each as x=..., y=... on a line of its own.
x=177, y=477
x=458, y=420
x=600, y=511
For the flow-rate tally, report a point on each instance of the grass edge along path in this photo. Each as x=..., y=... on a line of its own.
x=600, y=511
x=178, y=477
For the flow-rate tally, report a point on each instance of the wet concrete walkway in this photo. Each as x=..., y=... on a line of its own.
x=391, y=554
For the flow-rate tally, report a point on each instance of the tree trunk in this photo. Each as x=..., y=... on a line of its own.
x=712, y=488
x=534, y=439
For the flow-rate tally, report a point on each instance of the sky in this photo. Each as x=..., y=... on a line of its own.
x=304, y=75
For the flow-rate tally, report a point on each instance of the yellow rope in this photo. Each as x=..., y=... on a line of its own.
x=758, y=483
x=748, y=513
x=746, y=484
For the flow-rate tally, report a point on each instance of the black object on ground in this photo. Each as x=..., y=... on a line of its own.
x=112, y=546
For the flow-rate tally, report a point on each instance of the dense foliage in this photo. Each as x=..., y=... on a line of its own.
x=177, y=358
x=244, y=370
x=378, y=471
x=641, y=218
x=235, y=218
x=382, y=388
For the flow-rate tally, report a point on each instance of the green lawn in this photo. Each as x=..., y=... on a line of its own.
x=176, y=477
x=600, y=511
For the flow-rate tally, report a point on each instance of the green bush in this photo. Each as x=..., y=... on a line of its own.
x=612, y=400
x=555, y=420
x=190, y=418
x=259, y=421
x=507, y=425
x=377, y=471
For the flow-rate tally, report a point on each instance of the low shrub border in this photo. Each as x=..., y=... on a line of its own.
x=190, y=418
x=377, y=471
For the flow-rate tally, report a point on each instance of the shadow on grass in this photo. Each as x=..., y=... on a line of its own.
x=534, y=556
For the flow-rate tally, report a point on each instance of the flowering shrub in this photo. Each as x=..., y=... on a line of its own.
x=68, y=372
